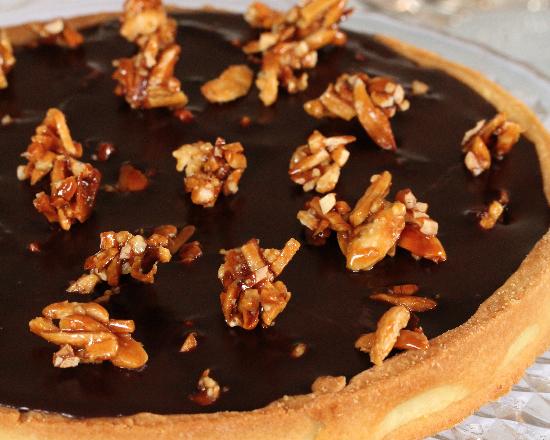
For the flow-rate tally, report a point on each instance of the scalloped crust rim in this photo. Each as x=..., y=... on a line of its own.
x=413, y=394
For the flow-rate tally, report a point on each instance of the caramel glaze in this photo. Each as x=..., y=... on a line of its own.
x=329, y=307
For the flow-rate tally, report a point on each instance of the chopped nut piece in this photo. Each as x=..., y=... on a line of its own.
x=60, y=33
x=130, y=179
x=496, y=136
x=413, y=303
x=147, y=80
x=6, y=119
x=387, y=331
x=7, y=60
x=323, y=215
x=34, y=247
x=372, y=201
x=105, y=150
x=317, y=165
x=65, y=357
x=245, y=121
x=190, y=343
x=372, y=100
x=86, y=334
x=490, y=217
x=419, y=88
x=298, y=350
x=190, y=252
x=407, y=340
x=328, y=384
x=419, y=235
x=370, y=242
x=184, y=115
x=210, y=168
x=123, y=253
x=106, y=297
x=292, y=41
x=208, y=390
x=250, y=292
x=403, y=289
x=233, y=83
x=259, y=15
x=146, y=20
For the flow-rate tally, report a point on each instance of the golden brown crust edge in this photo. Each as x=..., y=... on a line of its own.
x=409, y=397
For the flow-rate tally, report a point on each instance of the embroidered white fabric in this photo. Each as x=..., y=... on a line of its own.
x=523, y=414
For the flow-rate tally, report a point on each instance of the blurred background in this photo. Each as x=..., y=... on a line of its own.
x=518, y=28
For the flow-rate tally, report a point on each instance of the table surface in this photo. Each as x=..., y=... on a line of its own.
x=520, y=30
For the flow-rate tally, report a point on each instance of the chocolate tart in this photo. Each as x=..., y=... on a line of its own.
x=493, y=306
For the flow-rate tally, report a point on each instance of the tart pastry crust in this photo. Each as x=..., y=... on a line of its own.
x=409, y=396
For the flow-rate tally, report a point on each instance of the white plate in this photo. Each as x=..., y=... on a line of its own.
x=525, y=412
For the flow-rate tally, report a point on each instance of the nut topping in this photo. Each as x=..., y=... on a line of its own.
x=375, y=226
x=60, y=33
x=413, y=303
x=190, y=343
x=147, y=79
x=291, y=42
x=210, y=168
x=496, y=137
x=419, y=88
x=130, y=179
x=372, y=100
x=419, y=235
x=323, y=215
x=87, y=334
x=208, y=390
x=7, y=60
x=298, y=350
x=122, y=253
x=490, y=217
x=387, y=331
x=73, y=184
x=146, y=20
x=317, y=165
x=407, y=340
x=233, y=83
x=52, y=140
x=190, y=252
x=250, y=291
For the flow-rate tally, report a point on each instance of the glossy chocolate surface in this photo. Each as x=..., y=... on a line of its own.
x=330, y=305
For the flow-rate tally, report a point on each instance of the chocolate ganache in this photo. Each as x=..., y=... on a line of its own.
x=329, y=308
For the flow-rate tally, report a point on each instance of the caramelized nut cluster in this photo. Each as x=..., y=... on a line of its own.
x=489, y=138
x=123, y=253
x=209, y=169
x=86, y=334
x=147, y=79
x=145, y=20
x=489, y=218
x=317, y=165
x=250, y=291
x=73, y=184
x=322, y=215
x=396, y=329
x=291, y=42
x=7, y=60
x=375, y=226
x=419, y=236
x=59, y=33
x=372, y=100
x=233, y=83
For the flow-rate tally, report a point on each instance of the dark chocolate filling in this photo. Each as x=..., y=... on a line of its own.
x=329, y=307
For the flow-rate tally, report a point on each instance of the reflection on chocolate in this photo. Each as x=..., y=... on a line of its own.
x=329, y=308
